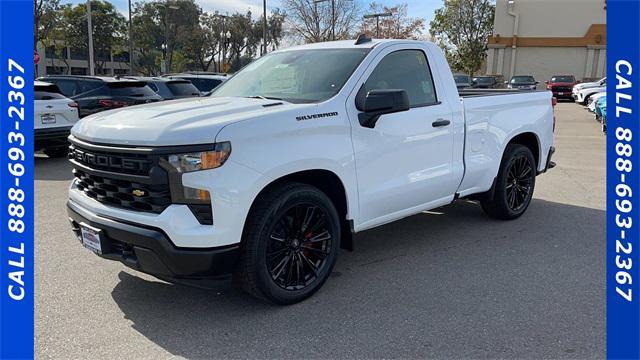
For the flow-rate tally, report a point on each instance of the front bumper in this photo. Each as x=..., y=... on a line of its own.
x=150, y=250
x=562, y=94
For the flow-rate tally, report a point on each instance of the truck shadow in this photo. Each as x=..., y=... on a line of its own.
x=448, y=283
x=52, y=169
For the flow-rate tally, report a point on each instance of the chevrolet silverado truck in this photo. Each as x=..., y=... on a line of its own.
x=267, y=178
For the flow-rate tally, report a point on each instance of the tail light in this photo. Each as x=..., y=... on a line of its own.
x=73, y=104
x=112, y=103
x=554, y=101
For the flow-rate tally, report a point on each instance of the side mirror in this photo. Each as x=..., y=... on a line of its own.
x=506, y=82
x=380, y=102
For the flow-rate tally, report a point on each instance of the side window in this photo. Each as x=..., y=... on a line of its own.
x=85, y=86
x=67, y=87
x=153, y=87
x=407, y=70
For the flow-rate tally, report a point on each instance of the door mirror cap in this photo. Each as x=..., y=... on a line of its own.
x=380, y=102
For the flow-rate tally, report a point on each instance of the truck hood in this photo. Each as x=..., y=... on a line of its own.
x=176, y=122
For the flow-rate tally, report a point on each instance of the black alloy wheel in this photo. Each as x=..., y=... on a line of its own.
x=299, y=246
x=518, y=187
x=289, y=245
x=513, y=188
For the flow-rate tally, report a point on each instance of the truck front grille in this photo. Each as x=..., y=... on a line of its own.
x=123, y=193
x=132, y=178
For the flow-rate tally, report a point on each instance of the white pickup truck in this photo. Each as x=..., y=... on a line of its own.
x=266, y=178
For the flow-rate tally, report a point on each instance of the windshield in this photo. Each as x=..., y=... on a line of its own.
x=461, y=79
x=523, y=80
x=299, y=76
x=563, y=79
x=483, y=80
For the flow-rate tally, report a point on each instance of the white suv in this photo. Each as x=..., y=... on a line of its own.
x=53, y=116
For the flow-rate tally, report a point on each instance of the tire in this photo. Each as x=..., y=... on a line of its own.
x=56, y=152
x=275, y=239
x=514, y=184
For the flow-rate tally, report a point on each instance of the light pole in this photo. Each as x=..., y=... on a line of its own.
x=92, y=70
x=225, y=36
x=377, y=17
x=130, y=43
x=333, y=16
x=220, y=45
x=165, y=46
x=264, y=26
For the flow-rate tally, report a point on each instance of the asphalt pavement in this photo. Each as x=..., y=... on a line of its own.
x=450, y=283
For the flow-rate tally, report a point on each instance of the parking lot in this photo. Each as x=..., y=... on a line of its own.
x=447, y=284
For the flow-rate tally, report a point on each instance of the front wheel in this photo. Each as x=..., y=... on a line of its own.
x=514, y=185
x=290, y=244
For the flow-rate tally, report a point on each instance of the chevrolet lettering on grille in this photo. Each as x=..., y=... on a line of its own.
x=108, y=161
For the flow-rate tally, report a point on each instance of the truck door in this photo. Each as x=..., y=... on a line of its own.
x=404, y=163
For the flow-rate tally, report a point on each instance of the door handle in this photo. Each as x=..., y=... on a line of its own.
x=441, y=122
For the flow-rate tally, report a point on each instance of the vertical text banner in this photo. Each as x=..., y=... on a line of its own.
x=623, y=179
x=16, y=179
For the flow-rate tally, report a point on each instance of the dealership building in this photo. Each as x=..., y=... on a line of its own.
x=547, y=37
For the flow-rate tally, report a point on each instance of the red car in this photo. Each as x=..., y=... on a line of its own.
x=561, y=86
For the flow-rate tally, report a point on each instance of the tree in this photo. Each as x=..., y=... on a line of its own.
x=109, y=27
x=462, y=28
x=312, y=22
x=45, y=16
x=397, y=26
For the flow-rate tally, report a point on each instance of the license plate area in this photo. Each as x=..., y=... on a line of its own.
x=48, y=119
x=91, y=238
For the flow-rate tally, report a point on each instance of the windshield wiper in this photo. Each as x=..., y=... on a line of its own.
x=264, y=97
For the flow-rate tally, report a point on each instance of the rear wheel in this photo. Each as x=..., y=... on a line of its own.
x=514, y=185
x=290, y=244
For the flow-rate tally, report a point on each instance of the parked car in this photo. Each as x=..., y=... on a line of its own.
x=601, y=112
x=96, y=93
x=526, y=82
x=591, y=102
x=597, y=83
x=169, y=88
x=266, y=178
x=53, y=116
x=463, y=81
x=204, y=81
x=582, y=96
x=487, y=82
x=561, y=86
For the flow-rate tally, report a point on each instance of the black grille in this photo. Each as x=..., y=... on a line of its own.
x=562, y=89
x=133, y=178
x=122, y=193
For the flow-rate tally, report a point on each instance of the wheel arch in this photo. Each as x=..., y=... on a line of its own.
x=529, y=140
x=330, y=184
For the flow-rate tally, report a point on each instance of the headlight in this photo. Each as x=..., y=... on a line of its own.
x=201, y=160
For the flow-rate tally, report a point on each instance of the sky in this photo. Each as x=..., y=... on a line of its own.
x=417, y=8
